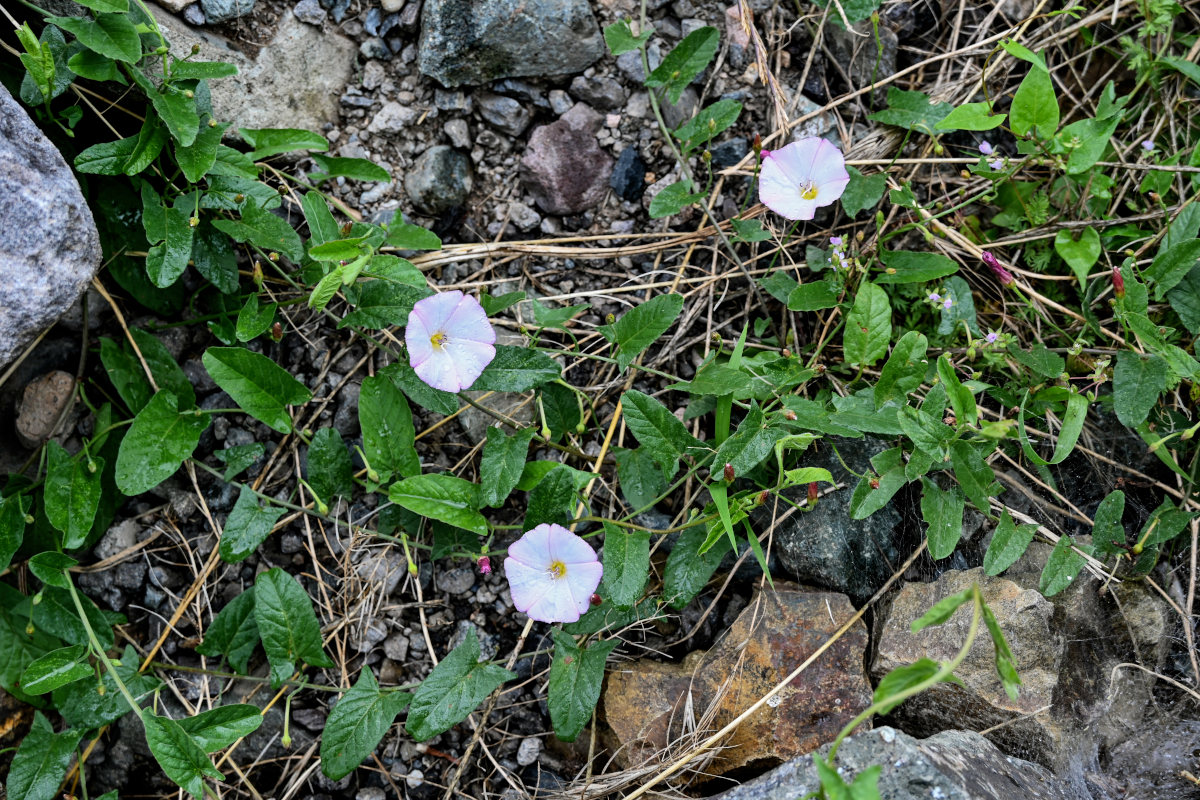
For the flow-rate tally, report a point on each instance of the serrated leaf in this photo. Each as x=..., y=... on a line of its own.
x=269, y=142
x=159, y=440
x=442, y=497
x=220, y=727
x=502, y=463
x=41, y=761
x=868, y=326
x=517, y=369
x=181, y=758
x=247, y=526
x=656, y=428
x=456, y=686
x=287, y=623
x=943, y=513
x=56, y=668
x=638, y=328
x=673, y=199
x=710, y=122
x=576, y=674
x=387, y=429
x=72, y=493
x=687, y=60
x=1009, y=542
x=257, y=384
x=1171, y=265
x=357, y=724
x=111, y=35
x=233, y=633
x=626, y=564
x=688, y=569
x=262, y=228
x=85, y=707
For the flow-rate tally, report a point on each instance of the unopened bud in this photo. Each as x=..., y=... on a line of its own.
x=277, y=332
x=596, y=599
x=757, y=145
x=762, y=497
x=716, y=339
x=729, y=473
x=610, y=318
x=212, y=123
x=257, y=274
x=1118, y=282
x=706, y=156
x=273, y=255
x=814, y=491
x=286, y=740
x=950, y=420
x=195, y=49
x=485, y=565
x=787, y=353
x=239, y=198
x=580, y=428
x=874, y=482
x=789, y=415
x=193, y=222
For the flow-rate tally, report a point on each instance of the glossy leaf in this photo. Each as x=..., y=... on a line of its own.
x=453, y=689
x=247, y=526
x=1009, y=542
x=257, y=384
x=442, y=497
x=357, y=724
x=576, y=674
x=868, y=326
x=220, y=727
x=638, y=328
x=41, y=761
x=287, y=623
x=387, y=429
x=179, y=755
x=502, y=463
x=233, y=633
x=159, y=440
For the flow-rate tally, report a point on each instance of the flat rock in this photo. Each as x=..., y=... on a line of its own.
x=440, y=179
x=952, y=765
x=647, y=702
x=41, y=406
x=49, y=249
x=563, y=167
x=478, y=41
x=225, y=10
x=294, y=82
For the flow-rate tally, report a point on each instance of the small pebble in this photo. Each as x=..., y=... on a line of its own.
x=528, y=751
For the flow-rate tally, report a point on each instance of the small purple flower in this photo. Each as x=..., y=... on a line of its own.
x=986, y=148
x=798, y=179
x=997, y=164
x=835, y=241
x=947, y=303
x=1004, y=275
x=934, y=297
x=552, y=574
x=450, y=341
x=991, y=337
x=1148, y=145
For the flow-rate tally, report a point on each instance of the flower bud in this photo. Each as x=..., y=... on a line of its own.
x=239, y=198
x=789, y=415
x=729, y=473
x=610, y=318
x=596, y=599
x=195, y=49
x=757, y=145
x=993, y=263
x=257, y=274
x=874, y=483
x=485, y=565
x=762, y=497
x=1118, y=282
x=193, y=222
x=814, y=491
x=277, y=332
x=273, y=256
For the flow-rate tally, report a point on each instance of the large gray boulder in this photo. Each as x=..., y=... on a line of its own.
x=478, y=41
x=49, y=248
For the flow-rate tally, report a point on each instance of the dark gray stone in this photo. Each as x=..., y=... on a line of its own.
x=522, y=90
x=49, y=249
x=675, y=114
x=505, y=114
x=439, y=180
x=953, y=765
x=863, y=55
x=563, y=167
x=310, y=11
x=630, y=63
x=824, y=547
x=478, y=41
x=629, y=176
x=729, y=153
x=599, y=91
x=374, y=47
x=225, y=10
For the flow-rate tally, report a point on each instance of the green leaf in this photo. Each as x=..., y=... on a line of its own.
x=85, y=707
x=1009, y=542
x=247, y=526
x=12, y=530
x=943, y=513
x=406, y=236
x=1035, y=105
x=1138, y=380
x=867, y=499
x=257, y=384
x=576, y=674
x=442, y=497
x=1081, y=254
x=547, y=317
x=903, y=266
x=642, y=478
x=56, y=668
x=233, y=633
x=1005, y=664
x=517, y=369
x=41, y=761
x=420, y=392
x=456, y=686
x=1040, y=360
x=322, y=227
x=976, y=478
x=150, y=141
x=198, y=158
x=387, y=428
x=231, y=163
x=239, y=457
x=166, y=371
x=971, y=117
x=710, y=122
x=95, y=67
x=502, y=463
x=220, y=727
x=357, y=724
x=159, y=440
x=1108, y=534
x=358, y=169
x=928, y=433
x=942, y=610
x=330, y=471
x=111, y=35
x=554, y=499
x=287, y=623
x=904, y=370
x=72, y=493
x=269, y=142
x=50, y=568
x=962, y=308
x=168, y=259
x=1091, y=137
x=863, y=192
x=748, y=446
x=1061, y=568
x=868, y=326
x=901, y=679
x=56, y=614
x=673, y=199
x=202, y=70
x=639, y=327
x=382, y=304
x=687, y=60
x=626, y=564
x=620, y=39
x=177, y=110
x=264, y=229
x=254, y=320
x=1171, y=265
x=494, y=305
x=813, y=296
x=751, y=230
x=215, y=258
x=125, y=373
x=106, y=158
x=339, y=249
x=1164, y=524
x=688, y=569
x=181, y=758
x=656, y=428
x=912, y=111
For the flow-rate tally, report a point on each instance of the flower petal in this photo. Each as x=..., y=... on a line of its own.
x=828, y=165
x=796, y=160
x=526, y=584
x=556, y=605
x=439, y=371
x=583, y=580
x=568, y=548
x=416, y=338
x=436, y=309
x=778, y=193
x=469, y=322
x=469, y=359
x=533, y=549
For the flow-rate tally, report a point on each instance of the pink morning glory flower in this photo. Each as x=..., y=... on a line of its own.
x=985, y=147
x=552, y=574
x=798, y=179
x=450, y=340
x=995, y=266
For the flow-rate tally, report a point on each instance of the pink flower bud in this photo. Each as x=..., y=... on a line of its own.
x=485, y=565
x=1004, y=275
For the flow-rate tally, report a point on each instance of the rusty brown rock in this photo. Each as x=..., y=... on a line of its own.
x=563, y=167
x=650, y=705
x=42, y=403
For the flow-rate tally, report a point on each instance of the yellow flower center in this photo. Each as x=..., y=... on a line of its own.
x=557, y=570
x=809, y=192
x=438, y=340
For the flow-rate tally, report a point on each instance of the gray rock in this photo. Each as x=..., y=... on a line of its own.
x=395, y=647
x=310, y=11
x=953, y=765
x=675, y=114
x=563, y=167
x=520, y=215
x=867, y=58
x=629, y=176
x=824, y=547
x=522, y=90
x=459, y=133
x=364, y=640
x=730, y=152
x=383, y=569
x=452, y=101
x=477, y=41
x=43, y=404
x=194, y=15
x=439, y=180
x=560, y=102
x=374, y=47
x=599, y=91
x=224, y=10
x=117, y=539
x=630, y=63
x=489, y=644
x=505, y=114
x=392, y=5
x=49, y=249
x=371, y=793
x=529, y=750
x=393, y=118
x=294, y=82
x=456, y=581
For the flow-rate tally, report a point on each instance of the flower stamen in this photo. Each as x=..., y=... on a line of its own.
x=557, y=570
x=809, y=191
x=438, y=340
